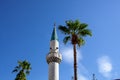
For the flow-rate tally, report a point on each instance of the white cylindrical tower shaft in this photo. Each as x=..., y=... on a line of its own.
x=54, y=71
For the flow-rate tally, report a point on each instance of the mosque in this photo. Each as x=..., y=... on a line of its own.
x=53, y=58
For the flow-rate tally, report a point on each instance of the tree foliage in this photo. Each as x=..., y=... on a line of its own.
x=22, y=69
x=75, y=31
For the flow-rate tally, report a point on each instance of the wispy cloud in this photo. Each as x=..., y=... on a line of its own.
x=67, y=53
x=105, y=66
x=82, y=77
x=82, y=72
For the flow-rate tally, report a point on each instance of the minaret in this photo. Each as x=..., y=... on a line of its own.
x=54, y=57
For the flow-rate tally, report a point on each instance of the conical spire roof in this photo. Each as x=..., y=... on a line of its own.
x=54, y=34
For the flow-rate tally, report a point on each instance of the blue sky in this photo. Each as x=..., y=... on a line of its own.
x=26, y=28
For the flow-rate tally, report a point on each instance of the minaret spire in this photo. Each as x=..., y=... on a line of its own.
x=54, y=34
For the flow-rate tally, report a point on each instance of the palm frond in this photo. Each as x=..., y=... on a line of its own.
x=28, y=66
x=77, y=24
x=83, y=26
x=64, y=29
x=27, y=72
x=71, y=25
x=86, y=32
x=15, y=70
x=81, y=41
x=20, y=63
x=66, y=39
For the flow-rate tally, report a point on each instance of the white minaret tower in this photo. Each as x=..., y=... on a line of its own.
x=54, y=57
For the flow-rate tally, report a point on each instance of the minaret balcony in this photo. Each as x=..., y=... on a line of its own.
x=54, y=57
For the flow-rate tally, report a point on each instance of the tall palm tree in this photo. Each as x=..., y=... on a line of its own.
x=22, y=70
x=74, y=32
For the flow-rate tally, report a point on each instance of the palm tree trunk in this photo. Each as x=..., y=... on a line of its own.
x=75, y=62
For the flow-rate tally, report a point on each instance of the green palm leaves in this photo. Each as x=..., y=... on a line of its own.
x=75, y=31
x=22, y=70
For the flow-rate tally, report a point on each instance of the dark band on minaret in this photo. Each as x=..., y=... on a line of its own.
x=53, y=58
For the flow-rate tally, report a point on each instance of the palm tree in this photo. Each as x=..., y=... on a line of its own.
x=22, y=70
x=74, y=32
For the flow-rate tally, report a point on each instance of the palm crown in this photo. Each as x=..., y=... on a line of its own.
x=75, y=31
x=22, y=69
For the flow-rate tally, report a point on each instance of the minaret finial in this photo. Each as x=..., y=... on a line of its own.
x=55, y=25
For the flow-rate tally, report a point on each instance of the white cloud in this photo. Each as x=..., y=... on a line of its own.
x=82, y=72
x=81, y=77
x=105, y=66
x=67, y=53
